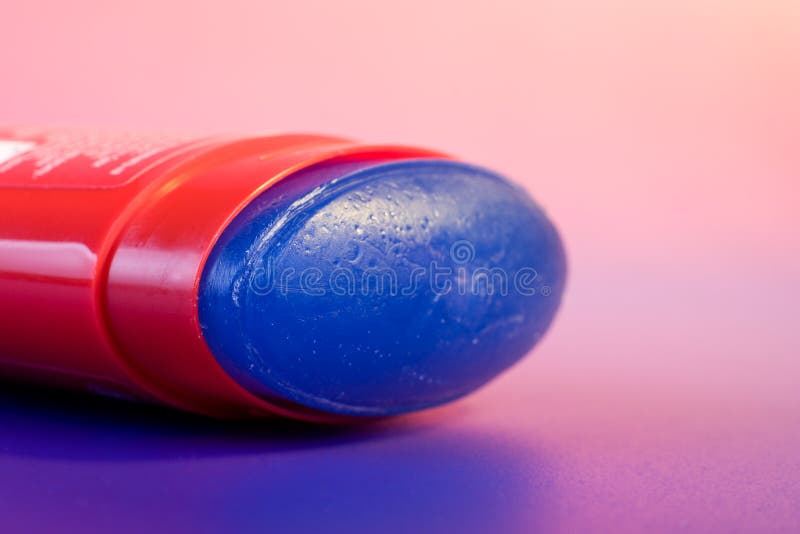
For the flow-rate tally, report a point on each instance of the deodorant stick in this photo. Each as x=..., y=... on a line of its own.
x=306, y=276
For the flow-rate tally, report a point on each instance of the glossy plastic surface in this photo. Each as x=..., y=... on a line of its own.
x=369, y=288
x=102, y=255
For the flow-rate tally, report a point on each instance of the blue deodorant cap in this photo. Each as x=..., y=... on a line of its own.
x=372, y=288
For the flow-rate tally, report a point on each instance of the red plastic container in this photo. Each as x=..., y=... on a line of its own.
x=103, y=239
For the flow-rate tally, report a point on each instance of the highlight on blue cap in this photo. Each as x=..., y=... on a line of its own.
x=374, y=288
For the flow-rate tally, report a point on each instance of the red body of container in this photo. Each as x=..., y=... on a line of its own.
x=103, y=239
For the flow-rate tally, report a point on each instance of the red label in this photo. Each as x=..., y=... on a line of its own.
x=78, y=159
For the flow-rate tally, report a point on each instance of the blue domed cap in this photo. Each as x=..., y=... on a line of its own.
x=373, y=288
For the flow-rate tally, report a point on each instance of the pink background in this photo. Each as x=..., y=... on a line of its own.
x=663, y=138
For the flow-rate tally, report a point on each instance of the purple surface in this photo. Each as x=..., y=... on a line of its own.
x=89, y=464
